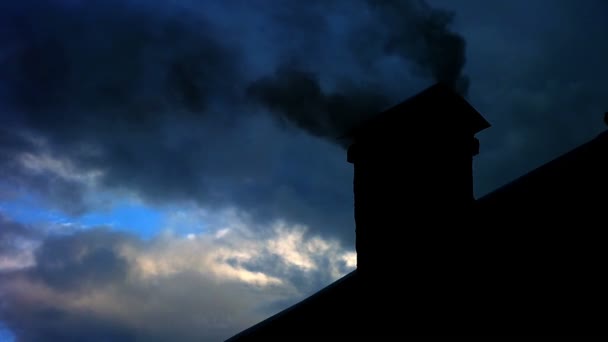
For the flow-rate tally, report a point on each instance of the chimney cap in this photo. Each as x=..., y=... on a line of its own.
x=435, y=106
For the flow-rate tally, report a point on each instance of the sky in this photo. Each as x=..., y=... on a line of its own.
x=175, y=169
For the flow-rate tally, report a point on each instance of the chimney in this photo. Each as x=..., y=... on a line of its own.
x=413, y=182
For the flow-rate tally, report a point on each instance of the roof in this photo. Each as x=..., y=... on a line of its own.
x=311, y=314
x=435, y=106
x=576, y=172
x=536, y=260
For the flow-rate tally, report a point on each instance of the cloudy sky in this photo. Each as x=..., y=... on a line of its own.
x=173, y=169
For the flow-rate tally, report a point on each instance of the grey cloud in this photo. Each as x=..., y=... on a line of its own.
x=148, y=96
x=14, y=229
x=52, y=324
x=540, y=83
x=115, y=95
x=102, y=285
x=143, y=94
x=155, y=97
x=115, y=58
x=81, y=260
x=98, y=82
x=68, y=194
x=12, y=237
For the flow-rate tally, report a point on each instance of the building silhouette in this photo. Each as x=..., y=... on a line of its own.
x=528, y=258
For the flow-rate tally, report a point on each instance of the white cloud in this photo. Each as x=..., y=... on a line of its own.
x=42, y=163
x=350, y=258
x=290, y=245
x=202, y=288
x=224, y=252
x=21, y=257
x=221, y=233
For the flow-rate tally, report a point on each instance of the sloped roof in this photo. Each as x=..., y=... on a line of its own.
x=309, y=316
x=580, y=170
x=533, y=256
x=435, y=106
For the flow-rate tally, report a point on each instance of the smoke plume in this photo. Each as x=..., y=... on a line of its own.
x=296, y=97
x=410, y=30
x=421, y=34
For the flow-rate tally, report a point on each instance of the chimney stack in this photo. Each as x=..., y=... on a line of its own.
x=413, y=183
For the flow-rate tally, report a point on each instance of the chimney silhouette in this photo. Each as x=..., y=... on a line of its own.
x=413, y=184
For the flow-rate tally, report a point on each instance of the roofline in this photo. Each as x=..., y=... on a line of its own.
x=538, y=170
x=276, y=316
x=483, y=123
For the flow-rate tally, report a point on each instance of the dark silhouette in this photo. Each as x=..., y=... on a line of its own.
x=431, y=260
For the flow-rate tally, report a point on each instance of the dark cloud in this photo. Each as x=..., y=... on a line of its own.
x=100, y=285
x=156, y=98
x=25, y=171
x=147, y=96
x=53, y=324
x=77, y=61
x=11, y=234
x=96, y=82
x=14, y=229
x=81, y=260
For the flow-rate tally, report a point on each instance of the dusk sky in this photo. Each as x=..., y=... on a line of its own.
x=173, y=170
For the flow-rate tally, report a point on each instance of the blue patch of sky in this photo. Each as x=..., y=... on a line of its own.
x=27, y=209
x=5, y=334
x=131, y=217
x=126, y=216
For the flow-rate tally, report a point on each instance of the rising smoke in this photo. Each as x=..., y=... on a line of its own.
x=297, y=98
x=411, y=30
x=421, y=34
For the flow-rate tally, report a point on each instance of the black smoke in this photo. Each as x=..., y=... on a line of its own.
x=296, y=97
x=421, y=34
x=412, y=31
